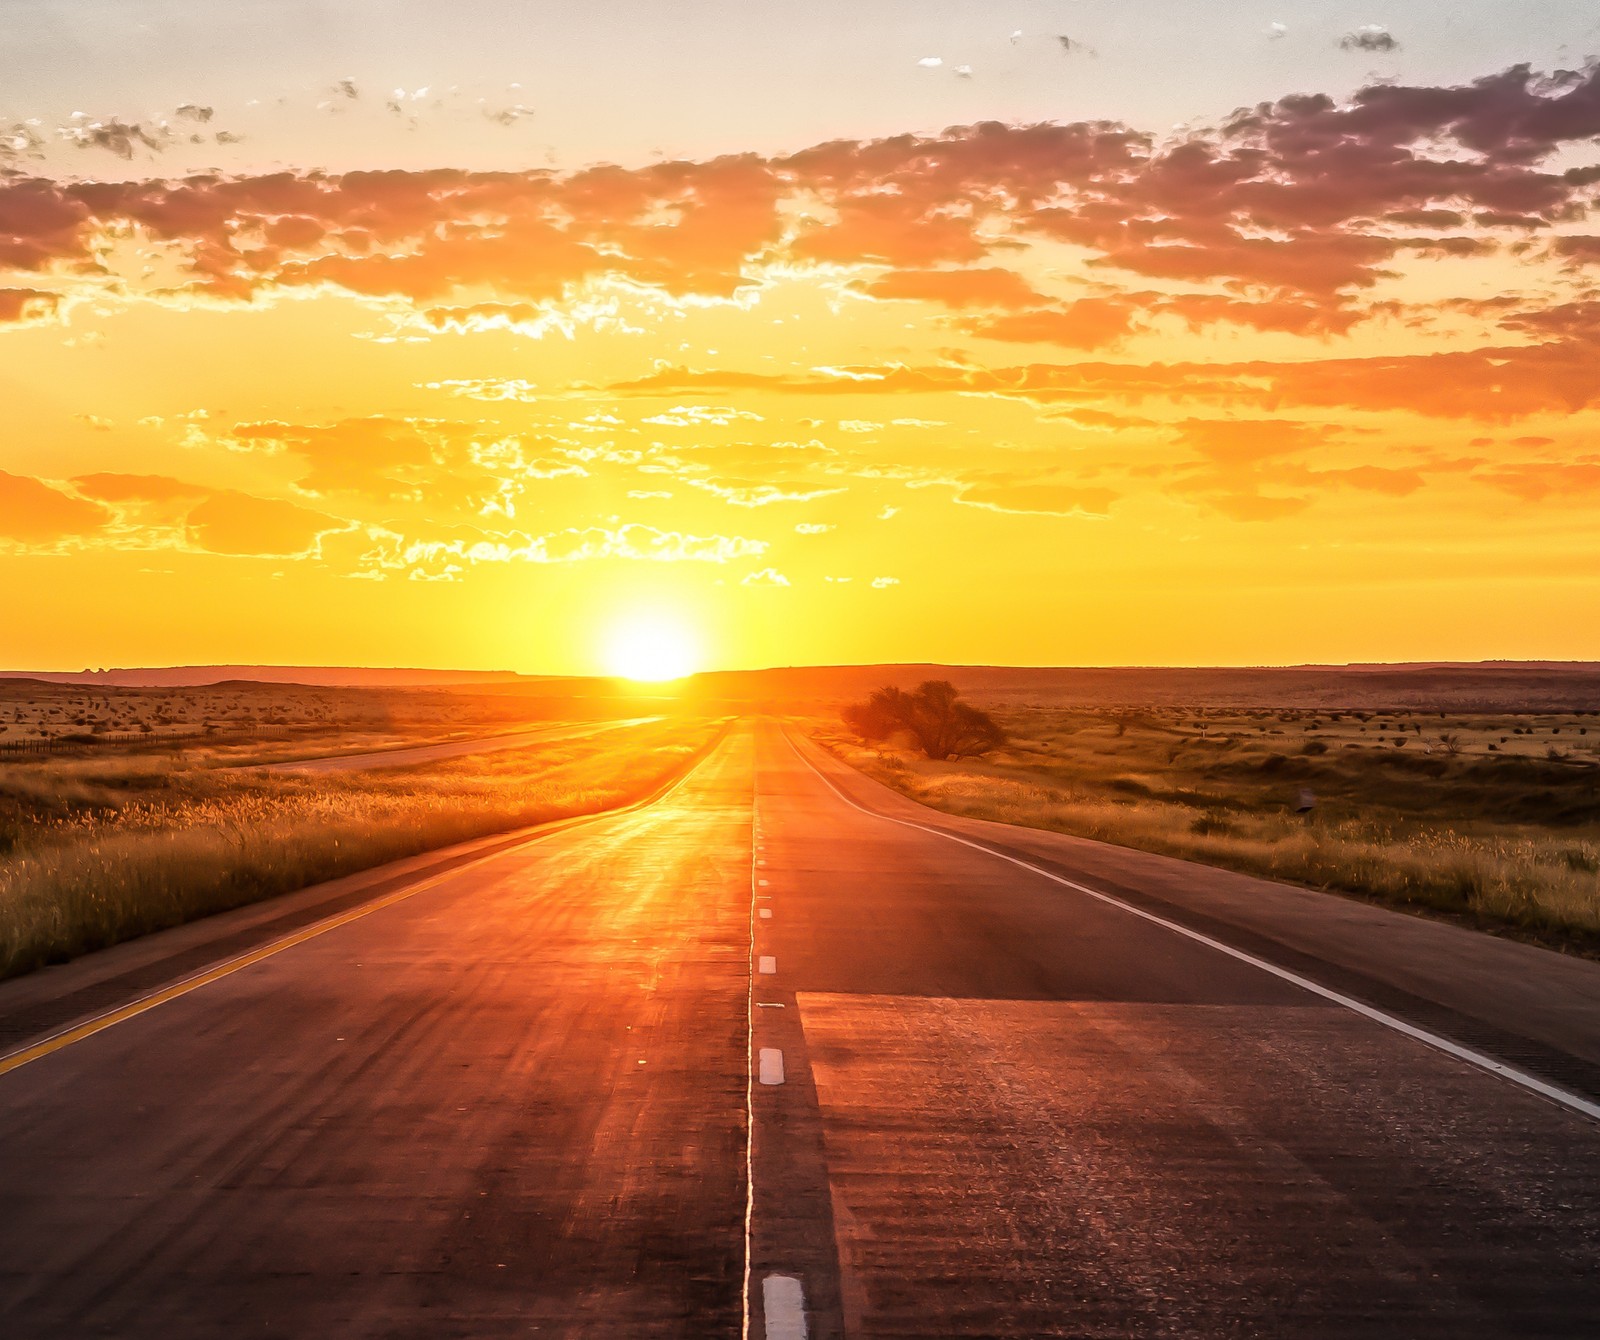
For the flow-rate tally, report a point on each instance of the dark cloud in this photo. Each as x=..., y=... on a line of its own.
x=1370, y=37
x=24, y=304
x=1290, y=211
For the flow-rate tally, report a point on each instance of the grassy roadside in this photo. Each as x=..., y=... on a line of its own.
x=1506, y=844
x=95, y=851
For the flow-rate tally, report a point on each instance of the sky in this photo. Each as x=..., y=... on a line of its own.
x=1069, y=332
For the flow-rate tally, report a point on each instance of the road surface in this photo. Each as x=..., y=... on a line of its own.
x=432, y=753
x=755, y=1055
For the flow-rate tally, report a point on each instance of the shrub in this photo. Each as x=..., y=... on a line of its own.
x=933, y=715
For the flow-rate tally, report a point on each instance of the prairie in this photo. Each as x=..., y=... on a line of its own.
x=97, y=849
x=1492, y=818
x=246, y=715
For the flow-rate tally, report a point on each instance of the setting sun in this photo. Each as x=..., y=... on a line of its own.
x=650, y=648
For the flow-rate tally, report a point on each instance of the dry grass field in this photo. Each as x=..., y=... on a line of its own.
x=1493, y=818
x=239, y=713
x=102, y=846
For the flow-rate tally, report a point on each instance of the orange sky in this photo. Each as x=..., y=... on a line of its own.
x=1316, y=382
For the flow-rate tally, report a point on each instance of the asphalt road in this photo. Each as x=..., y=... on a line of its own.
x=753, y=1055
x=432, y=753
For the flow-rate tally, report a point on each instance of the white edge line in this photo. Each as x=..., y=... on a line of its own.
x=1556, y=1094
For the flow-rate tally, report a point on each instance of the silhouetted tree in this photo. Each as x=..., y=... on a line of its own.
x=933, y=715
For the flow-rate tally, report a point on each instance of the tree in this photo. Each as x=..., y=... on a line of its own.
x=933, y=715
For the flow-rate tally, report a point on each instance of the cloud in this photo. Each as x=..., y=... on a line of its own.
x=751, y=493
x=115, y=135
x=982, y=286
x=1492, y=383
x=378, y=456
x=765, y=577
x=1369, y=37
x=1539, y=481
x=691, y=416
x=1038, y=499
x=126, y=488
x=469, y=547
x=1088, y=323
x=1289, y=202
x=26, y=304
x=1236, y=442
x=240, y=523
x=33, y=512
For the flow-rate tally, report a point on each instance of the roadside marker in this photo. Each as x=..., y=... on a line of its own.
x=784, y=1303
x=771, y=1066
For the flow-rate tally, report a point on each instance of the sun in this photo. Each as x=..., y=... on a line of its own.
x=651, y=648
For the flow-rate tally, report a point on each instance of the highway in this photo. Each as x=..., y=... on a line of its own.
x=781, y=1055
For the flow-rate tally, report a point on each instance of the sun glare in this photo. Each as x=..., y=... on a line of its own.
x=651, y=649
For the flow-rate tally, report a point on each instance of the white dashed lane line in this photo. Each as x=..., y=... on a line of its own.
x=784, y=1303
x=768, y=964
x=771, y=1071
x=767, y=913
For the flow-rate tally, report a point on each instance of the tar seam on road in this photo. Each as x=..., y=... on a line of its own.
x=87, y=1028
x=1565, y=1097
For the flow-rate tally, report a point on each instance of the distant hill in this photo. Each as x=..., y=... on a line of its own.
x=1480, y=686
x=190, y=676
x=1469, y=686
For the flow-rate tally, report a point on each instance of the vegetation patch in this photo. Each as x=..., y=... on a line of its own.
x=98, y=850
x=1456, y=822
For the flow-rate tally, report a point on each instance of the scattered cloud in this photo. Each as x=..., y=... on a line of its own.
x=1370, y=37
x=33, y=512
x=229, y=522
x=765, y=577
x=1041, y=499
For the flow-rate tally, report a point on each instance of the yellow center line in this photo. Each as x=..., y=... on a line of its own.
x=99, y=1023
x=111, y=1018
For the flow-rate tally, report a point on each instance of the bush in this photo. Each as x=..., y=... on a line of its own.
x=943, y=727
